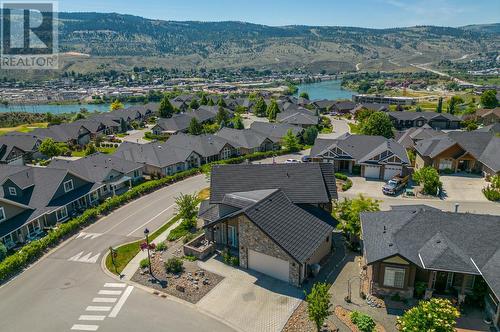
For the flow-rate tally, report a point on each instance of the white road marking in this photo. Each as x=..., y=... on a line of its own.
x=97, y=308
x=88, y=235
x=104, y=300
x=121, y=302
x=115, y=285
x=109, y=292
x=91, y=317
x=81, y=327
x=147, y=222
x=85, y=259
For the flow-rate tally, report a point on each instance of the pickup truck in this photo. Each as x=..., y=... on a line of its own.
x=395, y=185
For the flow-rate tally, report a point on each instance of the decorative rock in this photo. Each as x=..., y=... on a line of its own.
x=180, y=288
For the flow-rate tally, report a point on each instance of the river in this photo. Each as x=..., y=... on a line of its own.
x=325, y=90
x=56, y=109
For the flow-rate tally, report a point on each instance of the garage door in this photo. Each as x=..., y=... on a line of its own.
x=392, y=171
x=272, y=266
x=372, y=172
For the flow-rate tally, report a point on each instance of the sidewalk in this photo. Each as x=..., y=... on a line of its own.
x=133, y=265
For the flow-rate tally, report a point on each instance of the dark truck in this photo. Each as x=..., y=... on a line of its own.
x=395, y=185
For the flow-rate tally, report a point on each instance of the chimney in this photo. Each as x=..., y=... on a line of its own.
x=456, y=207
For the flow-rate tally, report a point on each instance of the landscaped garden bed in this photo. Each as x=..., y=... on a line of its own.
x=344, y=315
x=300, y=322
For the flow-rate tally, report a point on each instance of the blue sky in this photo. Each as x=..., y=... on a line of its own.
x=361, y=13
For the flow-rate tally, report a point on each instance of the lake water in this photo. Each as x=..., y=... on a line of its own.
x=325, y=90
x=56, y=109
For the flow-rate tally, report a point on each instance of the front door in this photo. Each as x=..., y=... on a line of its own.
x=233, y=237
x=441, y=282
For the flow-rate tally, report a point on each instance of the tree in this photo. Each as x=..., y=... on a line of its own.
x=378, y=123
x=310, y=135
x=260, y=107
x=166, y=110
x=362, y=114
x=79, y=116
x=49, y=148
x=203, y=100
x=222, y=116
x=318, y=304
x=304, y=95
x=291, y=142
x=489, y=99
x=363, y=87
x=438, y=315
x=3, y=252
x=221, y=102
x=439, y=107
x=238, y=122
x=195, y=128
x=116, y=105
x=418, y=109
x=194, y=104
x=187, y=207
x=348, y=210
x=454, y=101
x=90, y=149
x=429, y=177
x=272, y=110
x=210, y=102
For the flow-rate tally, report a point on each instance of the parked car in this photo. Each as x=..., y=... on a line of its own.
x=292, y=161
x=306, y=159
x=395, y=185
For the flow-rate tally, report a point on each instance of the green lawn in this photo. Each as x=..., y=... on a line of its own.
x=354, y=128
x=126, y=252
x=26, y=128
x=101, y=149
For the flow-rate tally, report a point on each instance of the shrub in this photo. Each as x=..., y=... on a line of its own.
x=364, y=322
x=420, y=288
x=190, y=258
x=341, y=176
x=429, y=178
x=491, y=193
x=235, y=261
x=447, y=171
x=226, y=256
x=347, y=185
x=162, y=246
x=174, y=265
x=144, y=263
x=433, y=315
x=3, y=252
x=188, y=237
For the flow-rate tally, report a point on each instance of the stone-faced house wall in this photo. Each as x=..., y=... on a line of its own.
x=251, y=237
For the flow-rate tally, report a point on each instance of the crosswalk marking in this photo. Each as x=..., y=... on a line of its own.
x=97, y=308
x=104, y=300
x=109, y=292
x=82, y=327
x=88, y=235
x=115, y=285
x=121, y=302
x=91, y=317
x=85, y=259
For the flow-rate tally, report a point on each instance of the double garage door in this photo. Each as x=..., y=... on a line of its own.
x=272, y=266
x=390, y=171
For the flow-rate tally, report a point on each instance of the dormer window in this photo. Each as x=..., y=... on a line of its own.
x=68, y=185
x=2, y=214
x=12, y=191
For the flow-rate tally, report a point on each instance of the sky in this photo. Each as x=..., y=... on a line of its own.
x=359, y=13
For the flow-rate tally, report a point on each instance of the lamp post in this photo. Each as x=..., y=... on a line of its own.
x=146, y=234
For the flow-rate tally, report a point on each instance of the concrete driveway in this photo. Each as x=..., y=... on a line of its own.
x=372, y=188
x=464, y=187
x=136, y=136
x=249, y=301
x=340, y=127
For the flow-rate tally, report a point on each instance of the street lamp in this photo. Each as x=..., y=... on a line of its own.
x=146, y=234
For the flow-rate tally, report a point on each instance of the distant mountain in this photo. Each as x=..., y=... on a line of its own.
x=238, y=44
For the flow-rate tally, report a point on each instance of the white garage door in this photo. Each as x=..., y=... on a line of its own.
x=372, y=172
x=272, y=266
x=392, y=171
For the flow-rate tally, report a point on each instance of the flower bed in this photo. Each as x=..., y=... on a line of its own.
x=344, y=315
x=300, y=322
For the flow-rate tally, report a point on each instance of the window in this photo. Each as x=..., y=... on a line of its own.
x=12, y=191
x=68, y=185
x=94, y=196
x=394, y=277
x=136, y=173
x=2, y=214
x=62, y=213
x=445, y=163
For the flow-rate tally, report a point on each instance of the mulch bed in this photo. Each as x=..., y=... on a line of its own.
x=195, y=281
x=344, y=315
x=299, y=322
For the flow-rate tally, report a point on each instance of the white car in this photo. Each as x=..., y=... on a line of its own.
x=292, y=161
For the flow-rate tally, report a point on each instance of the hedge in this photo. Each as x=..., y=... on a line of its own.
x=16, y=262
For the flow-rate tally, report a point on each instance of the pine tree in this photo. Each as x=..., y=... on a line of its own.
x=166, y=109
x=203, y=100
x=272, y=110
x=259, y=108
x=439, y=108
x=195, y=128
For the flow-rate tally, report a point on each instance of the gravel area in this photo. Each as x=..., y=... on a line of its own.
x=299, y=322
x=190, y=285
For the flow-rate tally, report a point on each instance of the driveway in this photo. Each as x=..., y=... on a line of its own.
x=249, y=118
x=136, y=136
x=340, y=127
x=249, y=301
x=464, y=187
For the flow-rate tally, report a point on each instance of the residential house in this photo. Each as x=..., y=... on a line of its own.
x=450, y=254
x=324, y=105
x=405, y=119
x=410, y=137
x=18, y=148
x=485, y=116
x=70, y=133
x=377, y=156
x=343, y=106
x=247, y=141
x=374, y=107
x=117, y=175
x=262, y=212
x=159, y=159
x=275, y=131
x=209, y=147
x=299, y=117
x=180, y=122
x=473, y=151
x=32, y=198
x=492, y=128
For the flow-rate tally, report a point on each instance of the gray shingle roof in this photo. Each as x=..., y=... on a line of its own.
x=245, y=138
x=406, y=115
x=275, y=131
x=205, y=145
x=155, y=154
x=302, y=183
x=298, y=117
x=460, y=242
